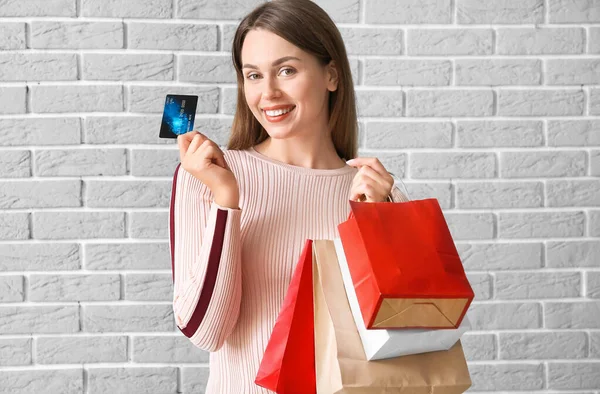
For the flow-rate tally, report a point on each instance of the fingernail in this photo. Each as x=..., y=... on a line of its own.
x=350, y=161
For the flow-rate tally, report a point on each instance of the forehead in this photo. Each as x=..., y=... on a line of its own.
x=262, y=46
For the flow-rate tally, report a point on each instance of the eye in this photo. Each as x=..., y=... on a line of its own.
x=249, y=76
x=292, y=71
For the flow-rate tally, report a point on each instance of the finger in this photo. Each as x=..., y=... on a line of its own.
x=213, y=152
x=372, y=190
x=386, y=182
x=197, y=140
x=372, y=162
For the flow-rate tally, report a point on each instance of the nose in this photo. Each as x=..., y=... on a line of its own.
x=271, y=88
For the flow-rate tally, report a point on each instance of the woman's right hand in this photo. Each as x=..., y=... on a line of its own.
x=203, y=158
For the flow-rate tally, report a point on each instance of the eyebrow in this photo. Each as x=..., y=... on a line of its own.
x=275, y=63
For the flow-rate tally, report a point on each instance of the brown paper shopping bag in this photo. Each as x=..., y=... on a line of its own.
x=340, y=361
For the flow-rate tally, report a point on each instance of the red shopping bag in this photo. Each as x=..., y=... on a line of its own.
x=404, y=265
x=288, y=365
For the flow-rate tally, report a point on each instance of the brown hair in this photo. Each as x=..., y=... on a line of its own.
x=307, y=26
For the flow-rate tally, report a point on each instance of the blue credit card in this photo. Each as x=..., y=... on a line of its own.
x=178, y=115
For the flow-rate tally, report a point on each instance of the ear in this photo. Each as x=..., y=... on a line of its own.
x=332, y=76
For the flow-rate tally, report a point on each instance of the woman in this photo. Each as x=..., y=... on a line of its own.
x=239, y=218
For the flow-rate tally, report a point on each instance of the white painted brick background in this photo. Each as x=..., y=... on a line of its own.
x=491, y=106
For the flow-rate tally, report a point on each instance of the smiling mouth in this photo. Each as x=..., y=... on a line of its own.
x=279, y=112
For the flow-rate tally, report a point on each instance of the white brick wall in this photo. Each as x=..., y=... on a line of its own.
x=491, y=106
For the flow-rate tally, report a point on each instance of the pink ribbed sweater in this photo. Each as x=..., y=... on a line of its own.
x=232, y=267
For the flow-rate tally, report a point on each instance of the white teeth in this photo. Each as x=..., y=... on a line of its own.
x=279, y=111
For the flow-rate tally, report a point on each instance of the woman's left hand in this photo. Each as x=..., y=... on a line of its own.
x=372, y=180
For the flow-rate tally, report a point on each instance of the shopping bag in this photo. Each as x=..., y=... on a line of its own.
x=387, y=343
x=340, y=361
x=288, y=364
x=404, y=265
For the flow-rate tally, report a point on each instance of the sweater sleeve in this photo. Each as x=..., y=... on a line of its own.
x=205, y=251
x=397, y=195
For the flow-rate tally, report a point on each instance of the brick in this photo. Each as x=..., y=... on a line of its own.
x=124, y=130
x=593, y=284
x=148, y=225
x=546, y=102
x=540, y=41
x=498, y=72
x=572, y=315
x=127, y=256
x=105, y=194
x=496, y=195
x=205, y=9
x=128, y=67
x=499, y=133
x=372, y=41
x=151, y=99
x=132, y=380
x=441, y=191
x=13, y=99
x=148, y=287
x=479, y=347
x=14, y=226
x=152, y=162
x=76, y=35
x=410, y=72
x=470, y=226
x=543, y=345
x=166, y=349
x=594, y=224
x=123, y=318
x=594, y=344
x=573, y=11
x=40, y=194
x=15, y=164
x=532, y=285
x=45, y=8
x=78, y=225
x=206, y=68
x=572, y=71
x=393, y=162
x=594, y=40
x=76, y=98
x=80, y=162
x=490, y=377
x=194, y=379
x=532, y=164
x=11, y=290
x=540, y=224
x=129, y=9
x=595, y=162
x=594, y=101
x=39, y=256
x=481, y=285
x=401, y=135
x=572, y=254
x=449, y=42
x=504, y=11
x=573, y=132
x=12, y=35
x=500, y=256
x=449, y=103
x=38, y=67
x=49, y=288
x=81, y=349
x=375, y=103
x=577, y=193
x=40, y=131
x=409, y=12
x=453, y=165
x=227, y=33
x=15, y=351
x=344, y=11
x=46, y=381
x=172, y=36
x=39, y=319
x=505, y=316
x=576, y=375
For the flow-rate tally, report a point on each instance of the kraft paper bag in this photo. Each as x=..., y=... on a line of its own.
x=381, y=343
x=340, y=361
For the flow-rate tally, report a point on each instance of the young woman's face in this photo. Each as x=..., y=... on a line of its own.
x=280, y=77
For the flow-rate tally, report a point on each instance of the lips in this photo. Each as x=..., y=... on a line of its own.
x=282, y=106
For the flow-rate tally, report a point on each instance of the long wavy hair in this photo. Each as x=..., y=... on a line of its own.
x=307, y=26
